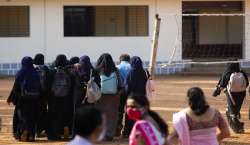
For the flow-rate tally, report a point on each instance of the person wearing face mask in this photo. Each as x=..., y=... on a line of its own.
x=89, y=126
x=149, y=128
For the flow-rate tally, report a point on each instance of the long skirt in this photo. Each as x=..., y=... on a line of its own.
x=109, y=104
x=25, y=117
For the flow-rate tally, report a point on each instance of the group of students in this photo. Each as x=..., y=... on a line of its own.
x=58, y=101
x=46, y=97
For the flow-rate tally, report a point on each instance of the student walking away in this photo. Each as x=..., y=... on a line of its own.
x=150, y=128
x=72, y=63
x=60, y=105
x=124, y=68
x=198, y=123
x=136, y=85
x=25, y=95
x=83, y=72
x=235, y=82
x=110, y=88
x=90, y=126
x=43, y=72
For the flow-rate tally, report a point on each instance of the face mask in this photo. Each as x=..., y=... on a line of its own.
x=102, y=135
x=134, y=114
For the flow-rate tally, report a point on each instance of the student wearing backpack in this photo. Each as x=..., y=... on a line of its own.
x=110, y=88
x=124, y=68
x=234, y=81
x=43, y=72
x=25, y=95
x=82, y=73
x=60, y=106
x=136, y=86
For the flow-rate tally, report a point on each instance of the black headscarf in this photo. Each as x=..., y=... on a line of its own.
x=137, y=77
x=85, y=66
x=27, y=69
x=136, y=63
x=61, y=61
x=74, y=60
x=39, y=59
x=105, y=64
x=233, y=67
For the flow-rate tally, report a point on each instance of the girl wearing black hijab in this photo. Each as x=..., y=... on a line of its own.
x=43, y=72
x=60, y=105
x=136, y=86
x=109, y=102
x=137, y=78
x=82, y=72
x=25, y=95
x=234, y=99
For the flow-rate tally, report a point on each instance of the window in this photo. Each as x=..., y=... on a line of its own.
x=105, y=21
x=14, y=21
x=212, y=36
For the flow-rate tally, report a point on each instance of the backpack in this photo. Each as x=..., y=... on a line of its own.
x=42, y=71
x=93, y=93
x=109, y=84
x=150, y=87
x=237, y=82
x=61, y=83
x=30, y=86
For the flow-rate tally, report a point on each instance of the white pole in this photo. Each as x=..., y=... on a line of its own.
x=154, y=46
x=44, y=30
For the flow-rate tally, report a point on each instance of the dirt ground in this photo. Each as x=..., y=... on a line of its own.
x=171, y=92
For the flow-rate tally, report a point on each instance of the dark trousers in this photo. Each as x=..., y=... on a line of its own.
x=128, y=125
x=42, y=118
x=234, y=109
x=26, y=114
x=123, y=101
x=60, y=115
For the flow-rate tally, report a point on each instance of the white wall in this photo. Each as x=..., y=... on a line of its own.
x=53, y=43
x=13, y=49
x=95, y=46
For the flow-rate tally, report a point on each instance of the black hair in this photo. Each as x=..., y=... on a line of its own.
x=143, y=101
x=87, y=119
x=38, y=59
x=74, y=60
x=105, y=64
x=125, y=57
x=61, y=60
x=234, y=67
x=197, y=101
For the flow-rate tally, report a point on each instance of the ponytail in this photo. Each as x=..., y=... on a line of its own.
x=197, y=101
x=161, y=123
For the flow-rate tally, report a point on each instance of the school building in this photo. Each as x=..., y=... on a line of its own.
x=190, y=30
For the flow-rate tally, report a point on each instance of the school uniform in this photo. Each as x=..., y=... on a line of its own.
x=42, y=123
x=124, y=68
x=60, y=102
x=233, y=109
x=237, y=96
x=136, y=85
x=25, y=113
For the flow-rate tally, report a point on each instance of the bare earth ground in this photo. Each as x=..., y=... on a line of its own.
x=171, y=92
